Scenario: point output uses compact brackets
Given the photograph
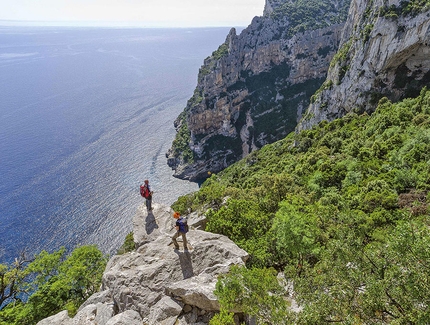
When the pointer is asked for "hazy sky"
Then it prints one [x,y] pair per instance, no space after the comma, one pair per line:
[172,13]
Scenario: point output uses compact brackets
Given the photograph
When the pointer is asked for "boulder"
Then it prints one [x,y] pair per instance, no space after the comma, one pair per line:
[99,297]
[61,318]
[196,291]
[165,311]
[90,314]
[128,317]
[94,314]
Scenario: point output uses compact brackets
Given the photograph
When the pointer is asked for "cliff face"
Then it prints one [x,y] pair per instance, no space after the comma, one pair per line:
[385,51]
[254,88]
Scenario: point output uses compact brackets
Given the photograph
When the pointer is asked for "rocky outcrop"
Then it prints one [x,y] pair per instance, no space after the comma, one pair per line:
[61,318]
[384,52]
[254,88]
[156,284]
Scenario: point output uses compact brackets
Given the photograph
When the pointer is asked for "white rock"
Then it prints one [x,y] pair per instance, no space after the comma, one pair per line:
[128,317]
[61,318]
[165,312]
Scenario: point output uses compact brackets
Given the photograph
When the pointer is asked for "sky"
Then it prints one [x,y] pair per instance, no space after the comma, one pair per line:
[145,13]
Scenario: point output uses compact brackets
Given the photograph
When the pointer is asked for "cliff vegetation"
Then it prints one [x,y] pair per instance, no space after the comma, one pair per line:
[411,8]
[341,209]
[303,15]
[33,289]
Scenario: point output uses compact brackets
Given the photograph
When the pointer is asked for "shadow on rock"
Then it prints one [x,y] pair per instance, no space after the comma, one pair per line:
[186,264]
[150,223]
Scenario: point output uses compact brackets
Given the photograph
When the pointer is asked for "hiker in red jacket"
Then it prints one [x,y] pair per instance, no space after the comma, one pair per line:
[145,191]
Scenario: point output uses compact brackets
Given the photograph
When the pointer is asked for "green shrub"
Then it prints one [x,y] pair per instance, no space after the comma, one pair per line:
[256,292]
[53,281]
[128,245]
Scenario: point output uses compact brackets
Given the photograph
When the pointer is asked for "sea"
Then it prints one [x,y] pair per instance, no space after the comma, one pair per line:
[86,114]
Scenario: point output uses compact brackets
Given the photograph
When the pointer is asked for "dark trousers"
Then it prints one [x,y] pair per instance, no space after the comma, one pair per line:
[148,203]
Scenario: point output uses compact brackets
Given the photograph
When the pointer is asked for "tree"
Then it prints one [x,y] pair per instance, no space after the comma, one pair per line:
[53,282]
[255,292]
[11,279]
[243,222]
[296,232]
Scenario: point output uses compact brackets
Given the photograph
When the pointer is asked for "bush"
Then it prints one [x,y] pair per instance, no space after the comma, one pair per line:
[256,292]
[128,245]
[54,283]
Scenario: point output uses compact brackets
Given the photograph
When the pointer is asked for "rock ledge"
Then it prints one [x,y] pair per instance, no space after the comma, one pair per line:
[156,284]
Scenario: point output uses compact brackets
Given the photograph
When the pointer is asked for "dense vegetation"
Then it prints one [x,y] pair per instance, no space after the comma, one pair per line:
[181,143]
[342,209]
[303,15]
[411,8]
[33,289]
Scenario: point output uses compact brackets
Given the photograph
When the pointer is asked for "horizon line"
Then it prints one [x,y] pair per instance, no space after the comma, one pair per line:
[106,24]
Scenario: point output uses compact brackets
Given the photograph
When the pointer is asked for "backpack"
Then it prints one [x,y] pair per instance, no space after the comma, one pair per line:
[144,191]
[183,225]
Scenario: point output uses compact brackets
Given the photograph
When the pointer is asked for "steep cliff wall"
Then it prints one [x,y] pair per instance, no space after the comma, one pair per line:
[253,89]
[385,51]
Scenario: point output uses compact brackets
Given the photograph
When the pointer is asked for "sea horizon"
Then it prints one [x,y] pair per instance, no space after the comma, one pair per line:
[106,24]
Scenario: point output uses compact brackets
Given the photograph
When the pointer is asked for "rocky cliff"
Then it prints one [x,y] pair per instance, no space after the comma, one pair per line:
[384,52]
[156,284]
[254,88]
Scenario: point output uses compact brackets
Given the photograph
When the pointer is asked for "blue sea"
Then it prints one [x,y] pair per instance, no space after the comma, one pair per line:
[86,114]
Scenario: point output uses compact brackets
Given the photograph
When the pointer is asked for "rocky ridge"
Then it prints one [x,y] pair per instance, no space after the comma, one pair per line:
[255,87]
[384,52]
[156,284]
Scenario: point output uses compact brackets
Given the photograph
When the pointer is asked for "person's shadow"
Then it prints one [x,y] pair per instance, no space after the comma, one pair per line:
[150,223]
[186,264]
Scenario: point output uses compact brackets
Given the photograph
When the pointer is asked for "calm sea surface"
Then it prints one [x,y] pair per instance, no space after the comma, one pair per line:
[86,114]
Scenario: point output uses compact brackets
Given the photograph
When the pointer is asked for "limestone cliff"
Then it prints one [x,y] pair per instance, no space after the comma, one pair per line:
[253,89]
[384,51]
